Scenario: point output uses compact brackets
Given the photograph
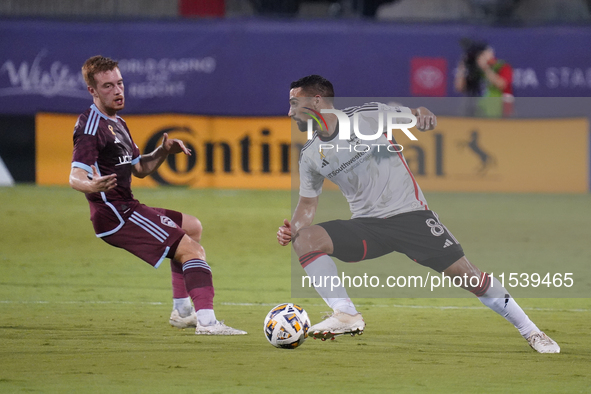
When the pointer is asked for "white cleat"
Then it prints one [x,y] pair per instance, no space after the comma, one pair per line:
[176,320]
[542,343]
[339,323]
[218,328]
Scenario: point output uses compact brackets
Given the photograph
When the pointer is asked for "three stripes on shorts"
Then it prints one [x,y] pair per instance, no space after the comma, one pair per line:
[161,235]
[149,226]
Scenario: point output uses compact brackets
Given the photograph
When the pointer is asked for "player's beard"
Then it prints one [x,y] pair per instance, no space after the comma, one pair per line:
[302,126]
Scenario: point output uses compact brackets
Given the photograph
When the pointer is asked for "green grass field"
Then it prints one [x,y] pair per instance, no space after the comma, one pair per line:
[79,316]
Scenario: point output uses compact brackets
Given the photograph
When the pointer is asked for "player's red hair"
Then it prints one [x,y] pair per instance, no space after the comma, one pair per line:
[95,65]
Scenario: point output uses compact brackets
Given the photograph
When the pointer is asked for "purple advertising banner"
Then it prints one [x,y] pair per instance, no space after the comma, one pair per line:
[244,67]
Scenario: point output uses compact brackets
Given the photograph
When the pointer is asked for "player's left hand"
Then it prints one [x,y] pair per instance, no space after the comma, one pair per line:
[426,120]
[174,146]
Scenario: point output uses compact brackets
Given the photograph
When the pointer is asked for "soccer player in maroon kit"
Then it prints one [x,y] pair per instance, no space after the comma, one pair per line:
[104,159]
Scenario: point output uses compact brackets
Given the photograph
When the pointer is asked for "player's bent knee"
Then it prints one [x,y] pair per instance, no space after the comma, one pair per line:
[462,266]
[192,226]
[309,239]
[464,269]
[189,249]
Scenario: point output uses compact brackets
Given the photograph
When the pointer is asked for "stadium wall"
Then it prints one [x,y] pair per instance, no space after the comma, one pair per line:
[462,154]
[17,149]
[244,67]
[221,69]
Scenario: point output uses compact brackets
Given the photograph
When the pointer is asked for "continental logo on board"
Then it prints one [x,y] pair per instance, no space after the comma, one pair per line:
[249,153]
[461,154]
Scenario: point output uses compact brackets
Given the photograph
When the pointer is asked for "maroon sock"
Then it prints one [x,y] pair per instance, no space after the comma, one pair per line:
[178,281]
[199,284]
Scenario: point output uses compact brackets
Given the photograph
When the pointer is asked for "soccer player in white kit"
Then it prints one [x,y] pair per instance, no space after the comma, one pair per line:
[389,212]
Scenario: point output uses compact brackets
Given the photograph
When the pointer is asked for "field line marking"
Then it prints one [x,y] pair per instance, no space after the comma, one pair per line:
[440,307]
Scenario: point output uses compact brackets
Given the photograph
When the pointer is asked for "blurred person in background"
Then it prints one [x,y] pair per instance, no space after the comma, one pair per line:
[480,74]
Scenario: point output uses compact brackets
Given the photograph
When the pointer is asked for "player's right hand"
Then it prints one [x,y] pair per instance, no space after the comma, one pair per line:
[102,183]
[426,120]
[284,233]
[174,146]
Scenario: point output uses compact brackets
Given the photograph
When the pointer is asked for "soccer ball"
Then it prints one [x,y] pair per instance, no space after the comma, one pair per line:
[286,326]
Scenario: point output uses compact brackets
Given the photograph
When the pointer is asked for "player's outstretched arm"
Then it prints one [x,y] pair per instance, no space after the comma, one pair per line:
[82,181]
[303,216]
[150,162]
[426,120]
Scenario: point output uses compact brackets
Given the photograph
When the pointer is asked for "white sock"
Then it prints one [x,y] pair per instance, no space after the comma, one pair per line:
[342,304]
[337,299]
[183,305]
[498,299]
[206,317]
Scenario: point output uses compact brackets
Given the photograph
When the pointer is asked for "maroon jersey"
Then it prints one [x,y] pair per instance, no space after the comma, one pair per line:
[106,144]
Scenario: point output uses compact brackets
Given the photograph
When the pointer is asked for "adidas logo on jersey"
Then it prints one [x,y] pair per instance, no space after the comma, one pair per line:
[447,243]
[323,157]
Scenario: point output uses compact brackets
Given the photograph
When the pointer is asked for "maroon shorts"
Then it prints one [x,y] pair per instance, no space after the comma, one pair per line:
[152,234]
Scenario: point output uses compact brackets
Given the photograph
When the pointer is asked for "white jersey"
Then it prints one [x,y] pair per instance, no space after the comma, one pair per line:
[372,174]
